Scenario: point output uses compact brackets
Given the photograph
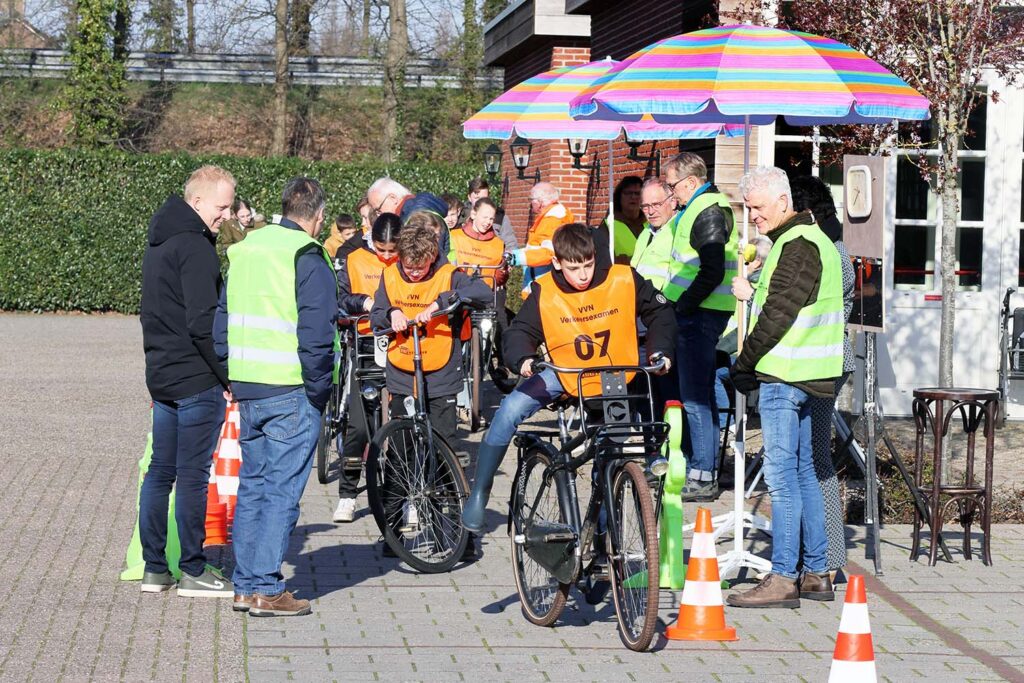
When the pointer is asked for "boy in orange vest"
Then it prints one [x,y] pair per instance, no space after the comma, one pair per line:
[410,291]
[585,315]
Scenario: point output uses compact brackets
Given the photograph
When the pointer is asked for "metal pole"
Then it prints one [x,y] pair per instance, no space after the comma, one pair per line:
[611,199]
[871,521]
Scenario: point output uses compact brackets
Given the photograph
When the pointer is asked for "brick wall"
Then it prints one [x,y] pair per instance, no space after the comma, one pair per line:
[618,29]
[542,57]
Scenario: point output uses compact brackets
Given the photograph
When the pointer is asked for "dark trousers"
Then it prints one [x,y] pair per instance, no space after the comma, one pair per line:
[443,417]
[184,436]
[353,442]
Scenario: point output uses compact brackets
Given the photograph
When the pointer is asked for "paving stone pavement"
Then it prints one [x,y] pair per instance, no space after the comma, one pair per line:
[74,424]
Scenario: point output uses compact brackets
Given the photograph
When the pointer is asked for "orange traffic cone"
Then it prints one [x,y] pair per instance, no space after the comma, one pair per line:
[229,461]
[701,613]
[216,514]
[854,658]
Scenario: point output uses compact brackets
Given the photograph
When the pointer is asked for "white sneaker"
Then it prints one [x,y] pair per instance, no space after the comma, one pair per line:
[346,510]
[412,519]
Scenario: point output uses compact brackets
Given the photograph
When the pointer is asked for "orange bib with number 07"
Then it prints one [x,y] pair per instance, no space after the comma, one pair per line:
[590,328]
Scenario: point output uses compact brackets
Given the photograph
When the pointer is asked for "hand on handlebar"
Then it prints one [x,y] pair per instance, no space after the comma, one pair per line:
[526,370]
[368,304]
[424,316]
[399,323]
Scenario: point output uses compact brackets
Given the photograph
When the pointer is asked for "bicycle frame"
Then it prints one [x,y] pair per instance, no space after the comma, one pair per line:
[605,446]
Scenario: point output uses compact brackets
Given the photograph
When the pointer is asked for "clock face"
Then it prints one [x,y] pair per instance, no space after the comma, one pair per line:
[858,192]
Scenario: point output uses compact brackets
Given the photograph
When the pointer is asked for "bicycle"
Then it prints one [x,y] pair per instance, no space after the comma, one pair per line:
[483,350]
[552,546]
[1011,351]
[415,485]
[360,363]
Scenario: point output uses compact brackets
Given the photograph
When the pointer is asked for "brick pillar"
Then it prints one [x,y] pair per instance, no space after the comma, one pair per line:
[553,160]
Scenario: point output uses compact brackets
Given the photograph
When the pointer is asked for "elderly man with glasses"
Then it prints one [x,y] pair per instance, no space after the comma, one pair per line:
[703,264]
[549,215]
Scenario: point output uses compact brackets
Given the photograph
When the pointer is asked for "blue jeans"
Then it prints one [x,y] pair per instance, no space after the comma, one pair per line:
[721,397]
[520,405]
[278,438]
[798,511]
[695,357]
[184,436]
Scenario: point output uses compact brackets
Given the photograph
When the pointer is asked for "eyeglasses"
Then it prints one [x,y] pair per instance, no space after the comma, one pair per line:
[388,196]
[673,185]
[535,199]
[647,208]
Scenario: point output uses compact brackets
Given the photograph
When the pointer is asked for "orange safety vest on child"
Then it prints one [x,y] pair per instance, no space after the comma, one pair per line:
[411,298]
[483,252]
[364,272]
[590,328]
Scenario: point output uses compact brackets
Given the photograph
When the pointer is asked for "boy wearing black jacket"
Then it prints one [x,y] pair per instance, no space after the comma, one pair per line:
[585,313]
[180,281]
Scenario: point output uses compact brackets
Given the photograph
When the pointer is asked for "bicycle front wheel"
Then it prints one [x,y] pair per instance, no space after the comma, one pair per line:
[476,381]
[633,557]
[416,490]
[535,500]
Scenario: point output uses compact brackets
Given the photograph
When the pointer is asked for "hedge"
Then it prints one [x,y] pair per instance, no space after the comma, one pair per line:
[73,223]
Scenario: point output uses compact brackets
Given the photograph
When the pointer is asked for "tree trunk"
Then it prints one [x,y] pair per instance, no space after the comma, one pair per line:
[394,77]
[190,26]
[472,46]
[950,212]
[365,36]
[279,140]
[122,20]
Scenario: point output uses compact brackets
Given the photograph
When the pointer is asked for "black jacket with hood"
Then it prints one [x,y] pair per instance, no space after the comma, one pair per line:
[180,283]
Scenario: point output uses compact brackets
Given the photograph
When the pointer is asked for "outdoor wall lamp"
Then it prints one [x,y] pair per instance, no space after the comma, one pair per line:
[634,147]
[492,161]
[578,149]
[521,148]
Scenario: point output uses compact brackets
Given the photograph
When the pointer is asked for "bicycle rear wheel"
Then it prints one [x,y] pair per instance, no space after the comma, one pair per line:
[534,499]
[325,442]
[417,498]
[633,557]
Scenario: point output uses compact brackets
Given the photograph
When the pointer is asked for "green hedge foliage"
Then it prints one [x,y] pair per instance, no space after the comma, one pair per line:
[73,223]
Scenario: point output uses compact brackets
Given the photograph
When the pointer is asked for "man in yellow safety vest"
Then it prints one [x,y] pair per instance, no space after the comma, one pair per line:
[279,318]
[702,268]
[795,353]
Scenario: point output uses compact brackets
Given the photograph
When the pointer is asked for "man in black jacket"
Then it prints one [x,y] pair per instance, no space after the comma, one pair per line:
[180,281]
[703,262]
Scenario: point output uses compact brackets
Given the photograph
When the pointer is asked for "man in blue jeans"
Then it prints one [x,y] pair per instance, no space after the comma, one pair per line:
[795,353]
[180,279]
[703,264]
[278,317]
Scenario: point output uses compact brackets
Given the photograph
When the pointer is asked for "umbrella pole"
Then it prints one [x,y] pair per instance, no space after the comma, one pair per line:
[611,199]
[738,519]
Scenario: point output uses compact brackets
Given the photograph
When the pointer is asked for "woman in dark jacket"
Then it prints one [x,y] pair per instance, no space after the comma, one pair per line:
[813,194]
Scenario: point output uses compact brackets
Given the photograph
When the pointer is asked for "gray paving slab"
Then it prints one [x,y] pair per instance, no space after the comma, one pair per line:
[74,424]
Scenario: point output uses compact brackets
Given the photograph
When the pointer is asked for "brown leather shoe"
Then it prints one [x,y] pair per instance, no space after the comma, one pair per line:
[242,603]
[280,605]
[817,587]
[773,591]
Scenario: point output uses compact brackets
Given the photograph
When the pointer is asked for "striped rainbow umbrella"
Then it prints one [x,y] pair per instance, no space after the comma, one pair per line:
[538,108]
[750,74]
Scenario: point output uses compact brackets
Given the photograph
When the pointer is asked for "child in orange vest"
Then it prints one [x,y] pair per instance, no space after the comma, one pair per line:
[359,273]
[585,314]
[410,291]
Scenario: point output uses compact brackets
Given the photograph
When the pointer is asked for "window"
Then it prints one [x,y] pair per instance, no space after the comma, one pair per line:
[796,153]
[918,212]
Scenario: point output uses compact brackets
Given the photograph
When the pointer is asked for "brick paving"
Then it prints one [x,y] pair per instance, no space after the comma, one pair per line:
[74,425]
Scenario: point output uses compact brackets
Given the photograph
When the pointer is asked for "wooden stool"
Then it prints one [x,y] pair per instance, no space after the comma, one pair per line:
[976,406]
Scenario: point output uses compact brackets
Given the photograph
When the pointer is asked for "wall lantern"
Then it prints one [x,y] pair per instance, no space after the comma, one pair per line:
[634,147]
[578,149]
[492,161]
[521,148]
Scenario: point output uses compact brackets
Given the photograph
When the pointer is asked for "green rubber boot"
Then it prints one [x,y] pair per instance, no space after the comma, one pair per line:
[488,459]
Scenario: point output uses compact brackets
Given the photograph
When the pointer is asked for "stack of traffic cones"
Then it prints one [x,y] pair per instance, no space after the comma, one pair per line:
[854,658]
[216,512]
[228,461]
[701,611]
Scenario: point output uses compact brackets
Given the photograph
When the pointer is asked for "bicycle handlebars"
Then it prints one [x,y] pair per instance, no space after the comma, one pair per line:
[447,310]
[659,363]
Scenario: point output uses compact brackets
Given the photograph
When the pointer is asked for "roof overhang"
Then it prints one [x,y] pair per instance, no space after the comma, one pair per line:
[526,24]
